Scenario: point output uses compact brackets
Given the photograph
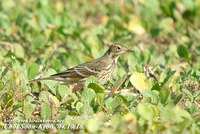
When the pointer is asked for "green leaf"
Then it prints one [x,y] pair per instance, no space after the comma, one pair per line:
[108,103]
[87,110]
[96,87]
[166,75]
[151,96]
[88,95]
[116,103]
[123,98]
[8,99]
[177,99]
[52,85]
[92,125]
[19,50]
[47,97]
[175,114]
[188,4]
[89,80]
[28,109]
[100,99]
[79,105]
[44,96]
[17,106]
[38,41]
[164,96]
[62,115]
[116,121]
[182,51]
[147,111]
[64,90]
[45,111]
[56,64]
[32,70]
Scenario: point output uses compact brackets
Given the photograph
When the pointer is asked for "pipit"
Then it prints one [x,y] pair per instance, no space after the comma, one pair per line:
[101,68]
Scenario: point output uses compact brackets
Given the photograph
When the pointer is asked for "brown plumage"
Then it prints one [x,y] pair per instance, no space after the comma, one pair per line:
[101,68]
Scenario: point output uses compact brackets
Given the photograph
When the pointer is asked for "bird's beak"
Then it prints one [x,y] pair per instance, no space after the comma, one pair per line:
[129,51]
[126,50]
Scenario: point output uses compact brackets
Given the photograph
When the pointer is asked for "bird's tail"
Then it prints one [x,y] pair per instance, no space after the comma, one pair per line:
[40,79]
[48,78]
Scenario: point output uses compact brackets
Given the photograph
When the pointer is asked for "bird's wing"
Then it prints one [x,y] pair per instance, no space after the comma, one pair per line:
[81,71]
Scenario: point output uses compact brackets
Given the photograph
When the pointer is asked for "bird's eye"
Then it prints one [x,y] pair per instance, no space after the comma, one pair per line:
[118,48]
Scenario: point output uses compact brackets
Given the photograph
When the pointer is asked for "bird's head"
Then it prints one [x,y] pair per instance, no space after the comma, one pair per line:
[115,50]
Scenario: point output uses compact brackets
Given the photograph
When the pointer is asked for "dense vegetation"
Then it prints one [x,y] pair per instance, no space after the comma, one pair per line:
[42,37]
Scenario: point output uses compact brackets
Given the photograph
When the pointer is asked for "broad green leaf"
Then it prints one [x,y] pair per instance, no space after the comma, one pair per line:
[96,87]
[165,76]
[62,115]
[45,111]
[32,70]
[87,110]
[89,80]
[188,4]
[177,99]
[175,114]
[88,95]
[108,103]
[64,90]
[28,109]
[116,103]
[123,98]
[17,106]
[92,125]
[182,51]
[93,41]
[79,105]
[8,99]
[116,121]
[147,111]
[44,96]
[48,98]
[151,96]
[19,51]
[100,99]
[31,98]
[56,64]
[52,85]
[38,41]
[164,96]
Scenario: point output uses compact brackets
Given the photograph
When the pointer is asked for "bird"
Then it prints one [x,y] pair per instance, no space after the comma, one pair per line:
[102,68]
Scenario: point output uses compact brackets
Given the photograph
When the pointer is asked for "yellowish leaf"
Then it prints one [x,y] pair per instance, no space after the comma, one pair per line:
[140,81]
[130,117]
[104,19]
[135,26]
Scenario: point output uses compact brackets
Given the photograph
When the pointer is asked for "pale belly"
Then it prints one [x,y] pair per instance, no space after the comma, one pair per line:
[105,75]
